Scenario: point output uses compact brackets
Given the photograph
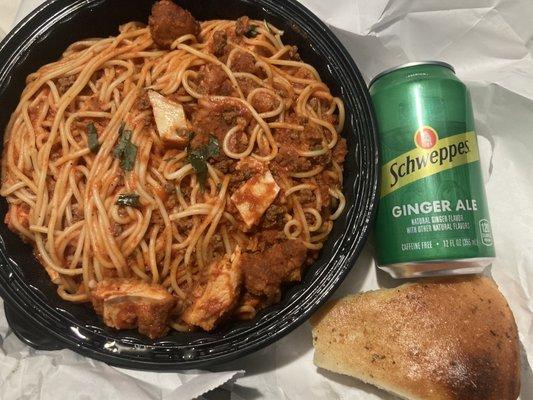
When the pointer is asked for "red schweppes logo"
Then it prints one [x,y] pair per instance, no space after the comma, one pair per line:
[429,156]
[426,137]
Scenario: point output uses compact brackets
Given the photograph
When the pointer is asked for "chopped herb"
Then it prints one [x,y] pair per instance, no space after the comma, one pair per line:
[198,158]
[212,148]
[124,137]
[125,150]
[92,138]
[251,32]
[128,160]
[129,200]
[200,167]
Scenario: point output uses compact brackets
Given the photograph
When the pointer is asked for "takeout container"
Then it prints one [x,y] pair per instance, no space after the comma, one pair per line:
[34,310]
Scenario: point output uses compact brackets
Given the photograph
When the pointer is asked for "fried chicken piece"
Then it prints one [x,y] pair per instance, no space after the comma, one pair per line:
[127,303]
[168,21]
[220,294]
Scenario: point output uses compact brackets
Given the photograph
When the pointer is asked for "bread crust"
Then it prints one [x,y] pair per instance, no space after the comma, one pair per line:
[446,339]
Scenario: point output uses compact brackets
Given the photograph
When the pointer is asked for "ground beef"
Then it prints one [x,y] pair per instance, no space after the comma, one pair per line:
[339,151]
[77,213]
[297,119]
[143,102]
[200,139]
[169,188]
[243,62]
[157,218]
[171,202]
[184,224]
[306,197]
[217,244]
[238,142]
[324,182]
[64,83]
[312,135]
[211,116]
[171,199]
[214,81]
[265,271]
[274,217]
[288,160]
[303,73]
[287,137]
[56,151]
[251,164]
[238,178]
[324,159]
[223,164]
[230,116]
[264,102]
[247,85]
[169,21]
[290,137]
[115,229]
[218,45]
[242,25]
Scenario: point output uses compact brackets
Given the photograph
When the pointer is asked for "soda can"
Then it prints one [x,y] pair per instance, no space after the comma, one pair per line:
[432,216]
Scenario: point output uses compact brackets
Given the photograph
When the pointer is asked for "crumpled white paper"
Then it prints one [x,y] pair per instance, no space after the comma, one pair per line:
[490,44]
[50,375]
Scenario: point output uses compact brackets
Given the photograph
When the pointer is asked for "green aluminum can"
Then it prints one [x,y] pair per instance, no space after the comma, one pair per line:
[432,217]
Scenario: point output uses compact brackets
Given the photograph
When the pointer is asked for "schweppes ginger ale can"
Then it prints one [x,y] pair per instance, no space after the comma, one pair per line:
[432,216]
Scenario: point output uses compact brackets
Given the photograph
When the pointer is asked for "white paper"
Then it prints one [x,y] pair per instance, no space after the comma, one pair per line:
[489,43]
[50,375]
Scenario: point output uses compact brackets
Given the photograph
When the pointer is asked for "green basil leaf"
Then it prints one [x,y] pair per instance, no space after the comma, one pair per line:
[128,157]
[251,32]
[125,150]
[198,159]
[124,139]
[200,167]
[212,148]
[92,138]
[128,199]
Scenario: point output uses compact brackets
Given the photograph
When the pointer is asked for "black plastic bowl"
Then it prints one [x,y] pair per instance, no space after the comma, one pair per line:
[43,320]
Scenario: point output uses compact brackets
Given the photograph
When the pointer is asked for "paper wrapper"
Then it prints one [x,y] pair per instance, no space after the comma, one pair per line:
[489,43]
[50,375]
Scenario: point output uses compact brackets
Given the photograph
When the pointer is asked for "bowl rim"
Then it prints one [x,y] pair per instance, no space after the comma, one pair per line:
[20,39]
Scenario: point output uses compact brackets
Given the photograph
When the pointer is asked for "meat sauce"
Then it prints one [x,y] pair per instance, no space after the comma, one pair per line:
[255,273]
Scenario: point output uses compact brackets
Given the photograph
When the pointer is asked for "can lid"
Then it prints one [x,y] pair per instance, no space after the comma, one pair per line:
[411,64]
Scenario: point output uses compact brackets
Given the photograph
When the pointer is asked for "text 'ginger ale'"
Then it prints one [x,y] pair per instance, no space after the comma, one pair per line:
[432,217]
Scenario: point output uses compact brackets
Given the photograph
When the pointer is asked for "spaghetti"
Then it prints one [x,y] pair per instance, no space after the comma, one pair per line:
[105,198]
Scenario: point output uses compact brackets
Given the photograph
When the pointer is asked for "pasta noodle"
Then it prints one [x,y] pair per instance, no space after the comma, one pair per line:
[98,205]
